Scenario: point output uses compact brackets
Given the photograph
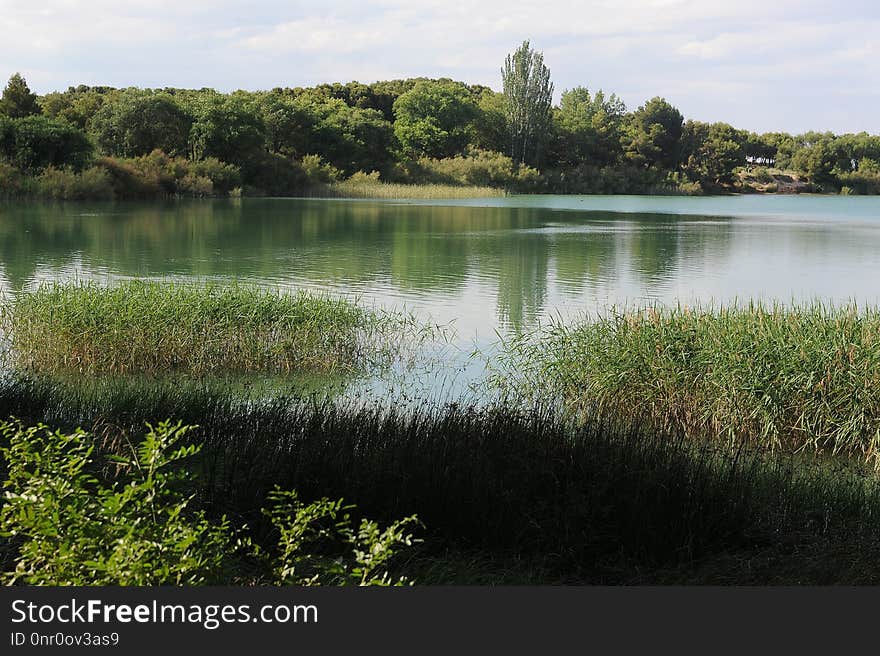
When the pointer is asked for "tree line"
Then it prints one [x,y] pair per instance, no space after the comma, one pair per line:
[103,141]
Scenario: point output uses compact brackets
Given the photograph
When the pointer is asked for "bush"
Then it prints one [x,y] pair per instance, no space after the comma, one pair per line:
[67,526]
[861,182]
[63,184]
[158,175]
[13,183]
[73,530]
[481,168]
[304,528]
[319,172]
[274,175]
[224,177]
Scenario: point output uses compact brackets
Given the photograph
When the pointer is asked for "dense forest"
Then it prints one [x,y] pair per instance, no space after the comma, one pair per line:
[103,142]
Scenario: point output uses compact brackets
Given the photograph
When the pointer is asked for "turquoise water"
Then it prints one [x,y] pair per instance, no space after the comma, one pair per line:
[483,266]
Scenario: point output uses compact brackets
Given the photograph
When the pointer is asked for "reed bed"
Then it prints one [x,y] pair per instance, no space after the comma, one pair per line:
[801,377]
[168,327]
[393,191]
[601,501]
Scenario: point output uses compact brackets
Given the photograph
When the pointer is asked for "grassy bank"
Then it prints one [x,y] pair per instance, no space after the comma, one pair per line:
[370,188]
[803,377]
[505,494]
[166,327]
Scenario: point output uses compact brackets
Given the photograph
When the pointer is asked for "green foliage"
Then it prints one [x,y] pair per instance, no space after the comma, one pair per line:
[607,500]
[817,161]
[319,172]
[349,138]
[489,128]
[433,118]
[17,100]
[158,327]
[159,176]
[652,134]
[797,376]
[137,123]
[73,518]
[14,184]
[72,529]
[228,128]
[710,153]
[587,129]
[36,142]
[476,168]
[63,184]
[528,94]
[264,143]
[319,543]
[78,105]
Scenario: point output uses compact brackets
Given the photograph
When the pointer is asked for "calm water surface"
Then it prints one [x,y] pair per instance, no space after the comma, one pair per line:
[486,265]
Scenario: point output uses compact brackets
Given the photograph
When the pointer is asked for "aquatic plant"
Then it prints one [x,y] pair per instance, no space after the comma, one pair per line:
[794,376]
[166,327]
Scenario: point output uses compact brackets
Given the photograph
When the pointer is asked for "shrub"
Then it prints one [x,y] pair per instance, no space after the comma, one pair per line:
[477,168]
[312,537]
[158,175]
[274,175]
[68,525]
[319,172]
[63,184]
[224,177]
[73,530]
[13,183]
[864,181]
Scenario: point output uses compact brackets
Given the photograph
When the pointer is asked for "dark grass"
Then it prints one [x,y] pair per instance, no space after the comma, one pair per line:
[512,495]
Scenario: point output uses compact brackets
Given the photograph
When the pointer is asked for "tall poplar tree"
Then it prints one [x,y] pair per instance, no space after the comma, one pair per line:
[528,94]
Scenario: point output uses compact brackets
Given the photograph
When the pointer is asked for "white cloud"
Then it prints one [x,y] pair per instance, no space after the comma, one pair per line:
[711,58]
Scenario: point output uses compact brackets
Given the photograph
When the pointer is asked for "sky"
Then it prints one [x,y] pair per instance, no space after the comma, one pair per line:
[758,64]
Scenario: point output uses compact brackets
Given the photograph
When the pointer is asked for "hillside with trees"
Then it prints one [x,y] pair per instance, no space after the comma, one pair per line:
[103,142]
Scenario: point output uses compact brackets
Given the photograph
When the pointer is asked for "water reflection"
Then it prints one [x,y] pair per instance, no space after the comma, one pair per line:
[490,266]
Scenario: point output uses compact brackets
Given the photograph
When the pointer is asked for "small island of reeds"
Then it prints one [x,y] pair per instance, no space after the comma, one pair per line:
[164,327]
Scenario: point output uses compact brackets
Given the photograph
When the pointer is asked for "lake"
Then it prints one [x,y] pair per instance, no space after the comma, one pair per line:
[486,266]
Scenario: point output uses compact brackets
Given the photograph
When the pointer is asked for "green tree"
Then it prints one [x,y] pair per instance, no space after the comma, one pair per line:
[490,125]
[528,92]
[139,123]
[587,128]
[77,105]
[348,138]
[653,134]
[710,152]
[433,118]
[288,121]
[228,128]
[817,160]
[17,100]
[35,143]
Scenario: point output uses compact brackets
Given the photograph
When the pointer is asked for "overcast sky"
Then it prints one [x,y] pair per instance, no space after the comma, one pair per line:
[759,64]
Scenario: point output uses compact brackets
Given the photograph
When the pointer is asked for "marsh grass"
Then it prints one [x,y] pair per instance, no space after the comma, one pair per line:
[602,501]
[169,327]
[388,190]
[799,377]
